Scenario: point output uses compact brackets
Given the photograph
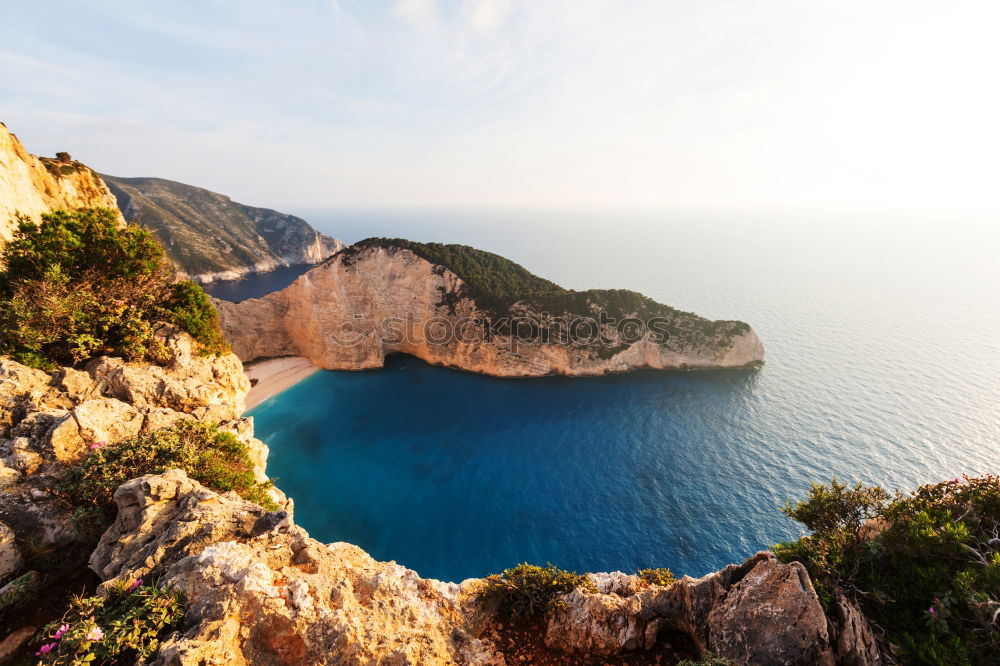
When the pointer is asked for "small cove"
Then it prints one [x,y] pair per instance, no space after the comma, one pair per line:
[883,366]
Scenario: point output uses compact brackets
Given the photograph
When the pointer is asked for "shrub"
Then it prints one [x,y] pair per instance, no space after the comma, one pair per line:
[661,576]
[837,507]
[78,285]
[528,591]
[925,567]
[708,659]
[124,627]
[212,457]
[79,242]
[191,309]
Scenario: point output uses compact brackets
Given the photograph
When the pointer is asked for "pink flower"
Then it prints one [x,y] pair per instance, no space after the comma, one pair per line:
[95,634]
[48,647]
[135,585]
[98,445]
[931,610]
[160,338]
[62,630]
[956,480]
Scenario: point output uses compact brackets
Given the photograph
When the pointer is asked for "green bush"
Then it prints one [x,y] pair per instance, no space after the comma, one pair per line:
[79,285]
[191,309]
[708,659]
[528,591]
[925,567]
[212,457]
[660,576]
[124,627]
[80,242]
[496,283]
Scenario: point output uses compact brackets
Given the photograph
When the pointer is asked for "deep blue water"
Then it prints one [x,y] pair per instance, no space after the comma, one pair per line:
[883,366]
[256,284]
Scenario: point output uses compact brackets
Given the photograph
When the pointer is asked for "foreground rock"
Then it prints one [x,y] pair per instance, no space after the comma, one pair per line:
[50,421]
[261,591]
[368,302]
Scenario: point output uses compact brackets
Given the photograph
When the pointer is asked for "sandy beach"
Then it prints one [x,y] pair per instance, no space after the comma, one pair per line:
[274,375]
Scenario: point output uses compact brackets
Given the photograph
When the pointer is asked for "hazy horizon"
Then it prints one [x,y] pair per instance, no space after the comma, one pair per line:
[880,105]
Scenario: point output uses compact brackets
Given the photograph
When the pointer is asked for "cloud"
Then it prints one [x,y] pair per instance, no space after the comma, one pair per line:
[423,15]
[485,15]
[497,102]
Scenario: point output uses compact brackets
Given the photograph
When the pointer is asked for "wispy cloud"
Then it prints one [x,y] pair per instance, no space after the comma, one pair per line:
[693,102]
[424,15]
[485,15]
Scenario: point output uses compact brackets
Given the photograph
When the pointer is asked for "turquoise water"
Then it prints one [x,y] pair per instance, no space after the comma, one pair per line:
[883,365]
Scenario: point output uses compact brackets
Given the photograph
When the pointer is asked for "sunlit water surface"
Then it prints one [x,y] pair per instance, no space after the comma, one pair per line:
[883,366]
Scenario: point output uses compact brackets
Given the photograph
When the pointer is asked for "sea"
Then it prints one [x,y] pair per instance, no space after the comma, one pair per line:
[882,337]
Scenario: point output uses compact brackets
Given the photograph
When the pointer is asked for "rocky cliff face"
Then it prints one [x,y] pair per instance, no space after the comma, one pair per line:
[260,591]
[31,185]
[359,306]
[211,237]
[50,421]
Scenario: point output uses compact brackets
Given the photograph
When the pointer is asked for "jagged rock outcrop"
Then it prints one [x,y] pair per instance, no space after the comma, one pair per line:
[368,302]
[211,237]
[259,590]
[49,421]
[188,382]
[31,185]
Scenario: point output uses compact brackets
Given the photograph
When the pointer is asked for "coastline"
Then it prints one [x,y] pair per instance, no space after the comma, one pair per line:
[274,375]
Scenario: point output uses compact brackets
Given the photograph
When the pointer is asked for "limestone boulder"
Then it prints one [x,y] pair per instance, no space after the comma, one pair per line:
[14,641]
[18,385]
[759,612]
[32,511]
[188,382]
[855,643]
[771,616]
[93,423]
[76,384]
[10,556]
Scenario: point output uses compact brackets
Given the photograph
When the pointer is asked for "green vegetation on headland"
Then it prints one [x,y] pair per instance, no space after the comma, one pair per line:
[494,282]
[497,285]
[924,567]
[78,285]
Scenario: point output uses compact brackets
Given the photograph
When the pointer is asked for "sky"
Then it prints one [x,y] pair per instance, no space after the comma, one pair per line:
[878,105]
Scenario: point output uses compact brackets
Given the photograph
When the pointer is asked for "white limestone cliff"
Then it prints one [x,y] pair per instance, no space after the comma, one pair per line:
[353,310]
[31,186]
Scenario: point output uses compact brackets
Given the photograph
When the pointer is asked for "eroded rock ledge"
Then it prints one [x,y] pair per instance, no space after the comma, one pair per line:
[362,304]
[261,591]
[48,422]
